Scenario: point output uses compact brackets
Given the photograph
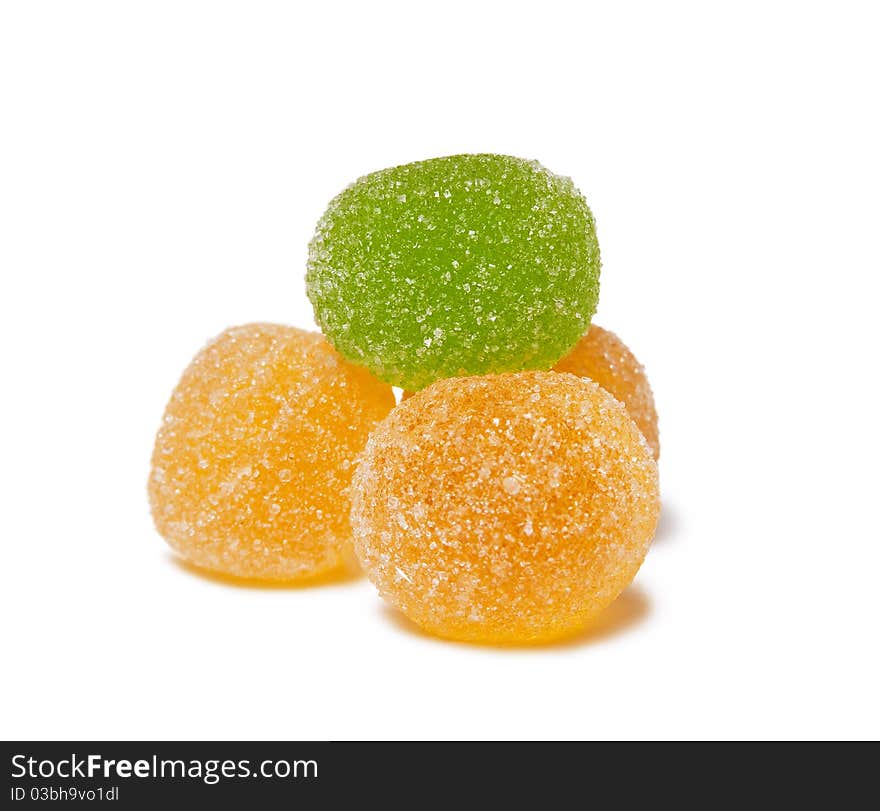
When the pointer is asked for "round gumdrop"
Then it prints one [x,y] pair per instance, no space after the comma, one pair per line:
[603,357]
[461,265]
[507,508]
[255,454]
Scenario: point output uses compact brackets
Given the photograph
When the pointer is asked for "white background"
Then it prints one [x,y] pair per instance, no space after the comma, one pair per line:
[162,166]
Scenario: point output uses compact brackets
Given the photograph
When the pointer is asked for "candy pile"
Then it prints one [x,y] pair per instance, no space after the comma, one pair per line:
[499,503]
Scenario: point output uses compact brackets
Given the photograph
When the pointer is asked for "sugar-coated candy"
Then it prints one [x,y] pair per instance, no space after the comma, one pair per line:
[507,508]
[603,357]
[253,460]
[467,264]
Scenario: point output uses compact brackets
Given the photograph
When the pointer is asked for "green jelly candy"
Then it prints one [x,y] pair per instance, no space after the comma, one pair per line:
[462,265]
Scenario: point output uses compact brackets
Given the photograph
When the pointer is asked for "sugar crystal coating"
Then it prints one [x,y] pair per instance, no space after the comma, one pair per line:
[253,460]
[603,357]
[507,508]
[460,265]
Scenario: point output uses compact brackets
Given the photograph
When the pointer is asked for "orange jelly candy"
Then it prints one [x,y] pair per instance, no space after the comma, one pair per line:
[601,356]
[253,460]
[507,508]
